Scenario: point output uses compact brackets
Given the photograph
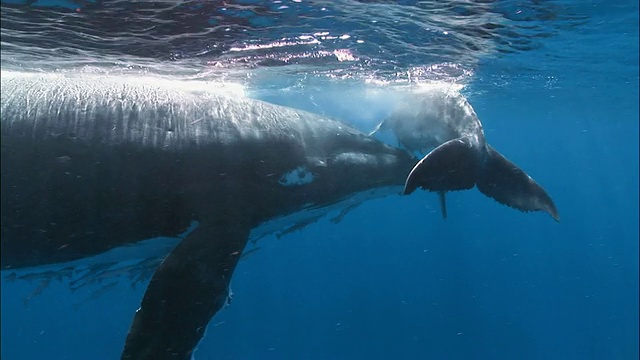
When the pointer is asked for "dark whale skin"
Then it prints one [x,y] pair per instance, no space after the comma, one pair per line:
[90,163]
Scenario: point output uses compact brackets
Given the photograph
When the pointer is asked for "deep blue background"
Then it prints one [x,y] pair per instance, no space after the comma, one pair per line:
[393,280]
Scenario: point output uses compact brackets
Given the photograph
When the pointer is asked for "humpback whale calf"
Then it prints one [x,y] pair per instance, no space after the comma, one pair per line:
[443,122]
[90,163]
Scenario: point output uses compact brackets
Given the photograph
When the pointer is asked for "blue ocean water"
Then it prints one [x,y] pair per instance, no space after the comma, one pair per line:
[556,86]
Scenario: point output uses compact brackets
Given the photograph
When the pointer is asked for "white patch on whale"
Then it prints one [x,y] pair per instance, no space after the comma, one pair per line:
[296,177]
[357,158]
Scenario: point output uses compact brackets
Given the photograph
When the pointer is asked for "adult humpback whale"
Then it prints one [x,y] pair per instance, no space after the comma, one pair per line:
[90,163]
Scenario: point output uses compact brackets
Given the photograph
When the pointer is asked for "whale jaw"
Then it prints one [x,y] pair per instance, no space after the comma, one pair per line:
[460,164]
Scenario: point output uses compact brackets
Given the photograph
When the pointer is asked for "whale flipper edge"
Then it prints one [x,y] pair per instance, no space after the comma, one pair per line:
[186,291]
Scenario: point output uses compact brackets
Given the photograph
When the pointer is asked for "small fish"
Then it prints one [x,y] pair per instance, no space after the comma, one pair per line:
[298,226]
[95,294]
[249,252]
[93,273]
[41,286]
[37,276]
[344,212]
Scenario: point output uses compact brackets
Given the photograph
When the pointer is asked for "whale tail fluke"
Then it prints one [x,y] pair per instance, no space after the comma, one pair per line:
[505,182]
[458,165]
[451,166]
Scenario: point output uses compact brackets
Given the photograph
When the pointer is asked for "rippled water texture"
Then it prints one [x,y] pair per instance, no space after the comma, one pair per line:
[382,40]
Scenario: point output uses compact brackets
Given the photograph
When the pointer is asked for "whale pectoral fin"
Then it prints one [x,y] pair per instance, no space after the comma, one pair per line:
[450,166]
[505,182]
[187,289]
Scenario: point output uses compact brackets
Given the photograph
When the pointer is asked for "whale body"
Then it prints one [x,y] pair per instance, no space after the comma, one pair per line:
[442,123]
[90,163]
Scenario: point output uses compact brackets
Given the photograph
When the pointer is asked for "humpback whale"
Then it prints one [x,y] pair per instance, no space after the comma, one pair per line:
[91,162]
[443,123]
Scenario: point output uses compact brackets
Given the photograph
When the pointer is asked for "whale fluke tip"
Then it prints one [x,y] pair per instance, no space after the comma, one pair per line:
[505,182]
